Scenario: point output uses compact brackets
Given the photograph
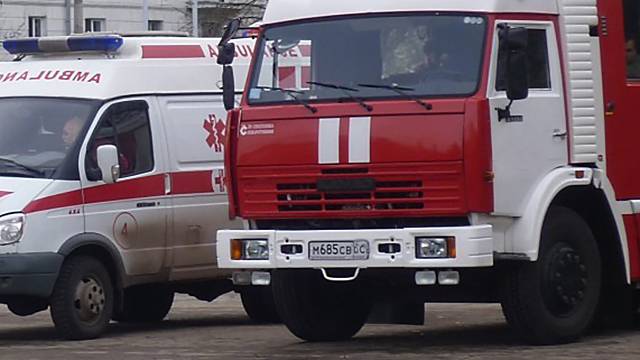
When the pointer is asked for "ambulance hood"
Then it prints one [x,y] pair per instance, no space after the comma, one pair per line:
[16,193]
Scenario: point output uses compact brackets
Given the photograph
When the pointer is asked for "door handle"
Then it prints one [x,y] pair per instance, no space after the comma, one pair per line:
[610,108]
[561,134]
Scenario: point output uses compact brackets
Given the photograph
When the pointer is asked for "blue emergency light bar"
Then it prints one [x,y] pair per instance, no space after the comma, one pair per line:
[101,43]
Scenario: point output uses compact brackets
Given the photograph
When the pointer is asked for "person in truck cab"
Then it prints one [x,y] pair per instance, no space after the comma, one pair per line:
[633,61]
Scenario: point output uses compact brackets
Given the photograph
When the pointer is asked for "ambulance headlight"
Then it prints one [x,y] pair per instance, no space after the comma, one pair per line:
[11,228]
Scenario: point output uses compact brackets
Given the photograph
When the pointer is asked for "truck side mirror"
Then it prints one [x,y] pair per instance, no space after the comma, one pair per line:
[228,88]
[107,156]
[514,42]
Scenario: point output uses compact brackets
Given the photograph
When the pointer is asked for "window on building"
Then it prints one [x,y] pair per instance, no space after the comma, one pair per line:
[632,38]
[95,25]
[538,62]
[125,125]
[37,26]
[155,25]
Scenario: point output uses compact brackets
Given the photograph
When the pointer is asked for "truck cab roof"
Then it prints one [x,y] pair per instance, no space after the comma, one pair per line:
[289,10]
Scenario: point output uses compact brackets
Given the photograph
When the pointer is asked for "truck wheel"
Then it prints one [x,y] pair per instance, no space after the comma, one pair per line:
[259,305]
[144,304]
[554,299]
[314,309]
[82,300]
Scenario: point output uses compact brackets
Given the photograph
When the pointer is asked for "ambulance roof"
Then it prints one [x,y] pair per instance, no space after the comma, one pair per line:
[142,65]
[285,10]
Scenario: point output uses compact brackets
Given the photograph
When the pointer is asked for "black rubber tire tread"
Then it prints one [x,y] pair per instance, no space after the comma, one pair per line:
[522,301]
[62,312]
[259,305]
[145,304]
[314,309]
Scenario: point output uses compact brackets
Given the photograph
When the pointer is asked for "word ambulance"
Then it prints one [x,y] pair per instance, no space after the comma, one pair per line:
[439,151]
[111,178]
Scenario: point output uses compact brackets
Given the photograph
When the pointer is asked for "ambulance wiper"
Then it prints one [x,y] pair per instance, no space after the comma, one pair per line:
[15,164]
[346,90]
[399,90]
[293,94]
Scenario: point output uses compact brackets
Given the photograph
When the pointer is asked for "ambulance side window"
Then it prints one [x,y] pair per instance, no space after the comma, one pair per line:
[125,125]
[538,62]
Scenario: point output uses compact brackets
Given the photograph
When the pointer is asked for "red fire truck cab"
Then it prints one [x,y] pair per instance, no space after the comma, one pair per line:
[439,151]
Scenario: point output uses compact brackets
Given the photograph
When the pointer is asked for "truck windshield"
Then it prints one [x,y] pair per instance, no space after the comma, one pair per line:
[427,55]
[37,135]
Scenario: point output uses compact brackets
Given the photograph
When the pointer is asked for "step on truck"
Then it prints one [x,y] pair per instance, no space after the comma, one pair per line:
[440,151]
[111,177]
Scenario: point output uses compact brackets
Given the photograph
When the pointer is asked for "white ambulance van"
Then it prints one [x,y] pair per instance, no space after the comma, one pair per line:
[112,177]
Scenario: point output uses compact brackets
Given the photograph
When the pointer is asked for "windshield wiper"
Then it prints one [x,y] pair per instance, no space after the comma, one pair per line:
[346,90]
[293,94]
[399,90]
[16,164]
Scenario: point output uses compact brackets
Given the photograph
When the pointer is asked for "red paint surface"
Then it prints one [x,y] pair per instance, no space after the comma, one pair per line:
[172,51]
[4,193]
[192,182]
[343,141]
[622,125]
[73,198]
[478,164]
[631,226]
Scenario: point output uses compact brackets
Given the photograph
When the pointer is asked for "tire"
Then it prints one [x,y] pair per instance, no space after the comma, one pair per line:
[554,300]
[145,304]
[317,310]
[259,305]
[82,299]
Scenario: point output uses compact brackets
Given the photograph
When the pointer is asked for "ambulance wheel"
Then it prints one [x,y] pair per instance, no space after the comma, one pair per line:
[259,305]
[82,300]
[554,299]
[145,304]
[314,309]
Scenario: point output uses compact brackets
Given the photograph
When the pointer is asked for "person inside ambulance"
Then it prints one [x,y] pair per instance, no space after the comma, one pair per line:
[71,130]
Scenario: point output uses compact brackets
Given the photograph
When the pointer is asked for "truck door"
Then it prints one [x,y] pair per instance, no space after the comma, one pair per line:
[196,127]
[619,38]
[533,142]
[133,211]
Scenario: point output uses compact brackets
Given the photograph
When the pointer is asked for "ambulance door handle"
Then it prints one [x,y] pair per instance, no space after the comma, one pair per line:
[167,184]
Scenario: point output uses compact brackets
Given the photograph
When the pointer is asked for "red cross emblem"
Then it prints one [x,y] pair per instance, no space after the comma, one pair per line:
[216,130]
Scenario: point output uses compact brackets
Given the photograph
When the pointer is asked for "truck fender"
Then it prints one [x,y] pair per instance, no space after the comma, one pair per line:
[523,237]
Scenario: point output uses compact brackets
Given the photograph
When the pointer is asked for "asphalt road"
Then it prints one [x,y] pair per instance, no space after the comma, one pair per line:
[220,330]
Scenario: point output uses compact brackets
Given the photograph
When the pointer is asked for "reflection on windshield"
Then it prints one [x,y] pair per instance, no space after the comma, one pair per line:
[37,134]
[431,55]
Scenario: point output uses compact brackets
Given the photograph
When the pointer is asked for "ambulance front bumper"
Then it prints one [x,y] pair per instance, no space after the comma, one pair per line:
[32,274]
[386,248]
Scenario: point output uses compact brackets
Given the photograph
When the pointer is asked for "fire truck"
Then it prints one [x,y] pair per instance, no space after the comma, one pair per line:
[439,151]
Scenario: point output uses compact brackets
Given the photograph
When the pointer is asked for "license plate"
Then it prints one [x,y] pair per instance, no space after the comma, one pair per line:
[339,250]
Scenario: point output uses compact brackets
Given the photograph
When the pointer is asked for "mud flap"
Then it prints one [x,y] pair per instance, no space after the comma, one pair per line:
[401,313]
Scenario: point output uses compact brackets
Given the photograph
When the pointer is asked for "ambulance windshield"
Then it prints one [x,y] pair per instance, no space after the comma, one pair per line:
[431,55]
[40,134]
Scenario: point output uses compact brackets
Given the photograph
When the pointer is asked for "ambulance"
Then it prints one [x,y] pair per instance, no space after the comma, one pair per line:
[111,176]
[440,151]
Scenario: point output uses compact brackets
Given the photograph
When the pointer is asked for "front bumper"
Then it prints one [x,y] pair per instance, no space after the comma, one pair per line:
[32,274]
[474,248]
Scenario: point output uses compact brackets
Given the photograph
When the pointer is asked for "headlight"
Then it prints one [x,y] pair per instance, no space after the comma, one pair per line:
[11,228]
[249,249]
[435,247]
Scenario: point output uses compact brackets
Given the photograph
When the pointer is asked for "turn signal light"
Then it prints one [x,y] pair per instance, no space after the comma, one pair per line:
[236,249]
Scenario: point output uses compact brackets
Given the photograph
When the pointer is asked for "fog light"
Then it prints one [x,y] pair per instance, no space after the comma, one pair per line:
[425,277]
[249,249]
[260,278]
[241,278]
[448,277]
[431,248]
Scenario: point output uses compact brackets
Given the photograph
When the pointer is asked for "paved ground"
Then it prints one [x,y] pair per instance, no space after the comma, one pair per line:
[197,330]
